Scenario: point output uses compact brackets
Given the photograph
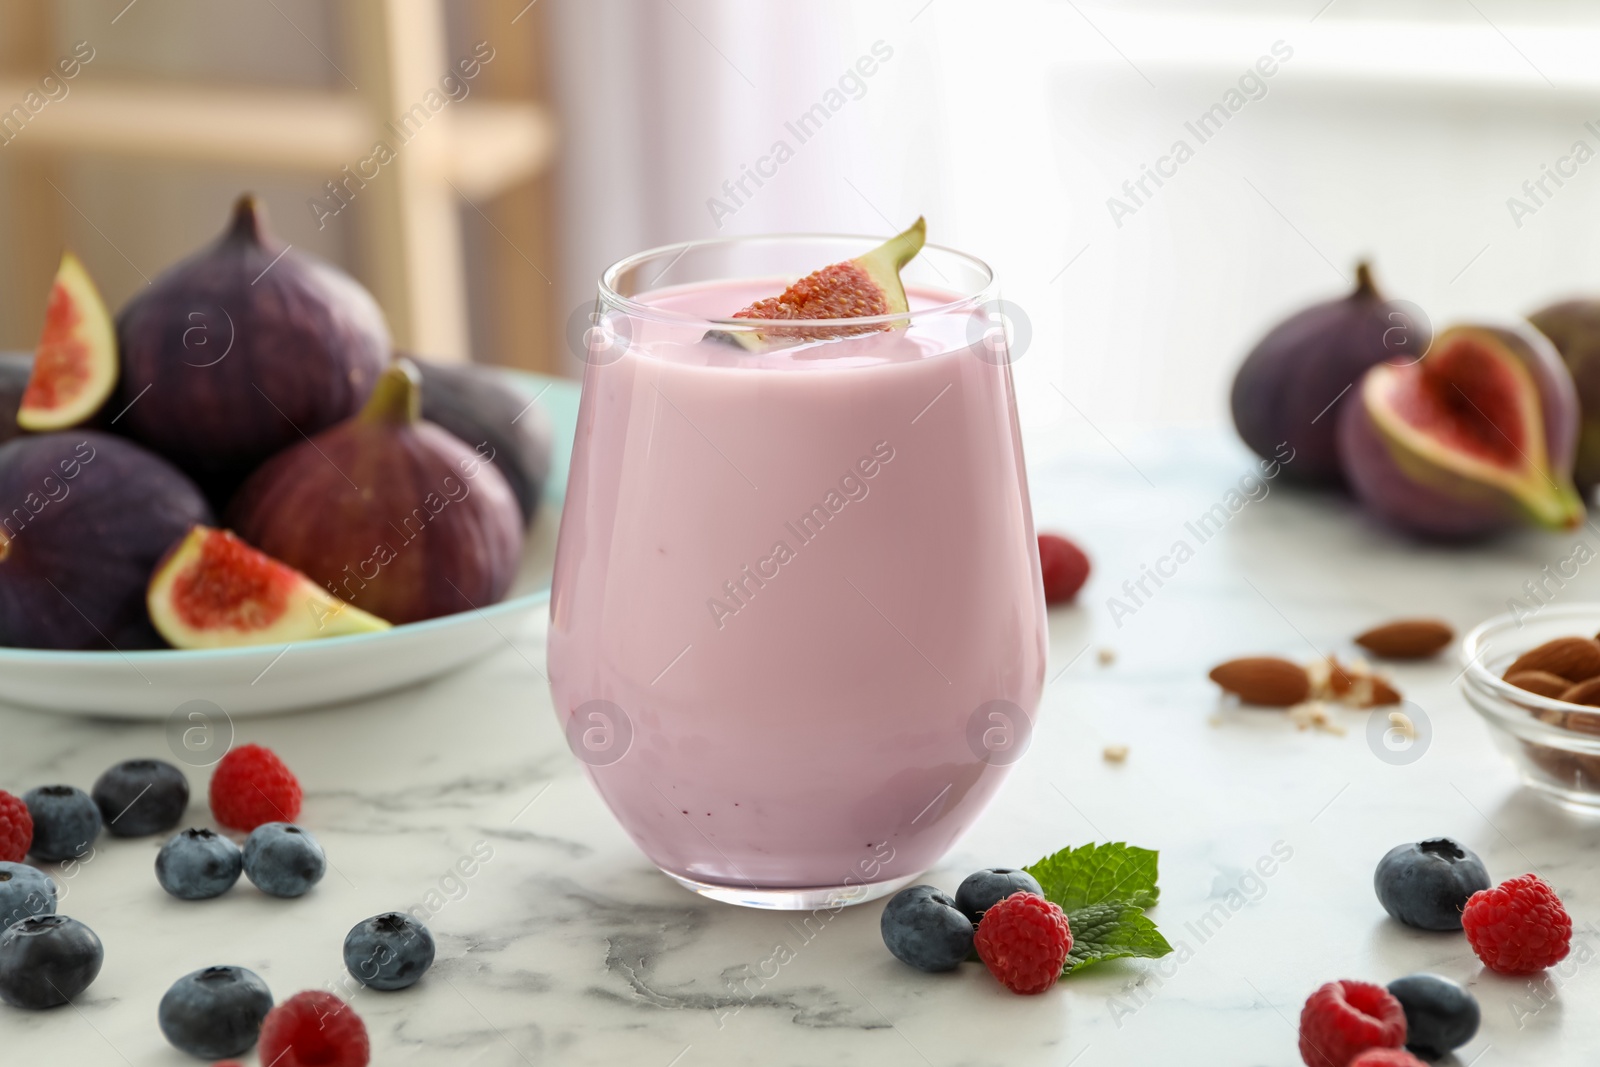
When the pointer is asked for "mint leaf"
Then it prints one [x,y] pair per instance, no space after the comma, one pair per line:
[1112,930]
[1104,890]
[1078,877]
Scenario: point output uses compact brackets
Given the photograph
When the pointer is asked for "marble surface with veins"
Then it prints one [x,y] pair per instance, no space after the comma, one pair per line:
[565,947]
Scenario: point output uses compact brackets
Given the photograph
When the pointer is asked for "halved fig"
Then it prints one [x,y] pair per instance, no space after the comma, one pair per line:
[75,365]
[214,591]
[866,286]
[1477,434]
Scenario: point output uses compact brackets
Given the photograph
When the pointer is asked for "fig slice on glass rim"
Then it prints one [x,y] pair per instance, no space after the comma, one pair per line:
[864,287]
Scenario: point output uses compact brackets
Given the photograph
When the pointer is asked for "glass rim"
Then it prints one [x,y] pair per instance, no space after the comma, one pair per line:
[609,295]
[1475,673]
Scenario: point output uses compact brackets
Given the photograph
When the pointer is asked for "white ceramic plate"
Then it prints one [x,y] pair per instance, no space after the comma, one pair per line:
[242,682]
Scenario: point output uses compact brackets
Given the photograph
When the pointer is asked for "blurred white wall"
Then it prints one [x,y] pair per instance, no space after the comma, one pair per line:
[1394,130]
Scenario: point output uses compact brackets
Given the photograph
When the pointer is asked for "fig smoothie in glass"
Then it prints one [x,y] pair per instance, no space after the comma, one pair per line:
[797,628]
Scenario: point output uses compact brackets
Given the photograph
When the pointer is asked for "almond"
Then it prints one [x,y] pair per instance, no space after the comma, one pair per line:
[1407,638]
[1585,692]
[1542,682]
[1267,680]
[1573,658]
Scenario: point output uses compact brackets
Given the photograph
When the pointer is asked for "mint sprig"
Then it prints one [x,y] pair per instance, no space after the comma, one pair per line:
[1104,890]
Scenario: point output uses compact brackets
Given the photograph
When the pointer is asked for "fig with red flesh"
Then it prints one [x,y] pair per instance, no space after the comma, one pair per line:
[484,410]
[388,511]
[214,591]
[1573,326]
[84,516]
[1289,389]
[1474,437]
[75,364]
[868,285]
[242,350]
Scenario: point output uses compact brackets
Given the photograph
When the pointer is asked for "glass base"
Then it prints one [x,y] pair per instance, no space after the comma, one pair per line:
[810,898]
[1579,800]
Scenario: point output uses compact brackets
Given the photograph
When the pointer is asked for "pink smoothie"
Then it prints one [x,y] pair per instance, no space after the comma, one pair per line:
[803,576]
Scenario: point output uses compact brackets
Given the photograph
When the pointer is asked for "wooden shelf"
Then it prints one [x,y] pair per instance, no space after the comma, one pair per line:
[480,147]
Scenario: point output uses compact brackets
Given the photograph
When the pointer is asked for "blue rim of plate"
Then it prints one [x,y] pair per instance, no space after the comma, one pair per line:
[559,397]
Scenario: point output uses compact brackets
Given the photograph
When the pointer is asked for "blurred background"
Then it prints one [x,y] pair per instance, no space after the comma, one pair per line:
[1026,131]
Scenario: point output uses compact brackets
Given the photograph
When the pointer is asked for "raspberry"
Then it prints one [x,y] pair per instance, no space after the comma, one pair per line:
[1343,1019]
[1386,1057]
[1518,927]
[1064,566]
[314,1028]
[251,786]
[16,828]
[1024,941]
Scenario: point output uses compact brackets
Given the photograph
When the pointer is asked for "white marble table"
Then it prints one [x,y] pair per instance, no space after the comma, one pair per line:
[566,947]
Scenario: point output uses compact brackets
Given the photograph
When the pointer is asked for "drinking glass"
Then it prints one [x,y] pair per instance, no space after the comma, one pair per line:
[797,630]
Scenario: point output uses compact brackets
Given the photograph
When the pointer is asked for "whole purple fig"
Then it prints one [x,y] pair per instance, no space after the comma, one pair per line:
[1573,326]
[483,409]
[242,350]
[1292,384]
[388,511]
[84,517]
[1473,438]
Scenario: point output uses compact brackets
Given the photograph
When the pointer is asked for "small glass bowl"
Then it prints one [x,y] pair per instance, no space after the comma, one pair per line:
[1555,745]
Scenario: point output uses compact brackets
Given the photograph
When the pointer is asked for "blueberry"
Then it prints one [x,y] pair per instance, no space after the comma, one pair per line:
[1427,884]
[215,1012]
[139,797]
[984,889]
[65,822]
[198,865]
[1440,1015]
[24,892]
[283,860]
[47,960]
[389,951]
[923,927]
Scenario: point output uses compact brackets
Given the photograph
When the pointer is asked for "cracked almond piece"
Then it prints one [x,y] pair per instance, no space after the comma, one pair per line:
[1379,693]
[1268,681]
[1407,639]
[1573,658]
[1314,714]
[1541,682]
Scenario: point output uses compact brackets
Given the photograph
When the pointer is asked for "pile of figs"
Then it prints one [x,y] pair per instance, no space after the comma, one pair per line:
[1447,435]
[240,457]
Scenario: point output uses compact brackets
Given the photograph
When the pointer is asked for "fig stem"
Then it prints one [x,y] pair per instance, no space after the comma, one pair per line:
[1365,286]
[249,220]
[397,397]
